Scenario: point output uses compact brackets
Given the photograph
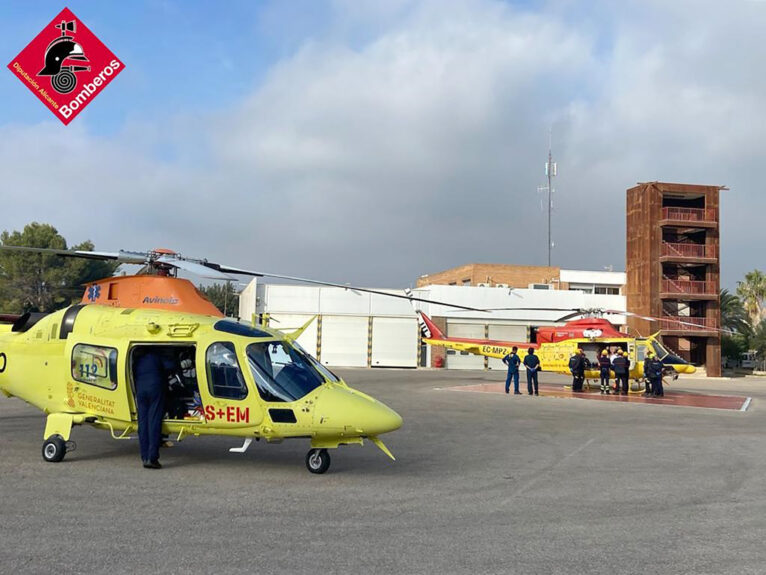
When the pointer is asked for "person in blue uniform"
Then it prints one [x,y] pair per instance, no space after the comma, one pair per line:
[577,367]
[151,383]
[604,366]
[647,374]
[532,363]
[621,367]
[653,371]
[512,361]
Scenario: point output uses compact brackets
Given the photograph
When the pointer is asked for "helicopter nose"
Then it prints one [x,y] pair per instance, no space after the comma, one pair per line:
[379,418]
[355,412]
[685,369]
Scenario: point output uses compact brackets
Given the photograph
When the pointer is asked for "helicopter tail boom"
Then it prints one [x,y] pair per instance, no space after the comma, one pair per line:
[428,329]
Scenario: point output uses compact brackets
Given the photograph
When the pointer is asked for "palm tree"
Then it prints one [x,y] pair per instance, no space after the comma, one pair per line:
[733,315]
[758,340]
[752,292]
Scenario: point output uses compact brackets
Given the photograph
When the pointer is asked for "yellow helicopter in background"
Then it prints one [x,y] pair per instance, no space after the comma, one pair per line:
[231,378]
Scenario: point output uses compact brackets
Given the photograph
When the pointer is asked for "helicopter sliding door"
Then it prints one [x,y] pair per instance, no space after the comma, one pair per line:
[182,398]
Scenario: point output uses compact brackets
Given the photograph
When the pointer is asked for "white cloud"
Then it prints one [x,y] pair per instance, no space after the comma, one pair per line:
[420,147]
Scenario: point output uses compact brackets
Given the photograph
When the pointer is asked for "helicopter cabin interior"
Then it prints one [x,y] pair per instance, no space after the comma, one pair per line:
[592,350]
[182,398]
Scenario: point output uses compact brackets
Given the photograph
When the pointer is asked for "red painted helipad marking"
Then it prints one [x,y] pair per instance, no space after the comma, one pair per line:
[683,399]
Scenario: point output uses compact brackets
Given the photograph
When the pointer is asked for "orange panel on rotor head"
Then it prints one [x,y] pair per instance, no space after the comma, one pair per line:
[149,292]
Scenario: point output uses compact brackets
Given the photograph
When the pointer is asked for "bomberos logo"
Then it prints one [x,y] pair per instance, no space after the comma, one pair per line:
[66,66]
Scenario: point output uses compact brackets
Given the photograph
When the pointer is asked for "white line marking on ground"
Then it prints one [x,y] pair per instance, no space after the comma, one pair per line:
[746,404]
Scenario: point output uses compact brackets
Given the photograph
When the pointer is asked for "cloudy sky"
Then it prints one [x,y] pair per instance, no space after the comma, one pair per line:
[374,141]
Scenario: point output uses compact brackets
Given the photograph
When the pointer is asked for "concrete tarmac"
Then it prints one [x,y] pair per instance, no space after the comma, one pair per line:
[483,483]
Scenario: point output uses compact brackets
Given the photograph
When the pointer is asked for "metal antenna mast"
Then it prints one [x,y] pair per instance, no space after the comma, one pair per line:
[550,171]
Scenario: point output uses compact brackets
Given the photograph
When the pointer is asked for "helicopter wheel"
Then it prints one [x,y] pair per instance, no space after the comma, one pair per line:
[317,460]
[54,449]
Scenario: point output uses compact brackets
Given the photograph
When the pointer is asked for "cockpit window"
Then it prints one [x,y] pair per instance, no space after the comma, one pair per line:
[659,349]
[666,356]
[229,326]
[223,374]
[282,372]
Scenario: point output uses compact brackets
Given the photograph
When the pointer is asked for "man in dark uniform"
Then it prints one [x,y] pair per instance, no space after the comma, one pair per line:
[621,367]
[151,382]
[604,366]
[647,374]
[577,367]
[655,376]
[512,361]
[532,363]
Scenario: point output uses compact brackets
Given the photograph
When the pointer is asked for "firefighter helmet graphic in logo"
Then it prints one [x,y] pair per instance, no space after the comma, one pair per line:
[64,49]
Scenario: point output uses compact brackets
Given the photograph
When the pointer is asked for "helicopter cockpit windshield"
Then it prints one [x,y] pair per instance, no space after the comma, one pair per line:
[282,372]
[659,349]
[664,354]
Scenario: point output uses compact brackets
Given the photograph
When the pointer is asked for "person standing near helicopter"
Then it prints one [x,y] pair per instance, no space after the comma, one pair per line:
[512,361]
[621,367]
[653,375]
[577,367]
[604,366]
[532,363]
[151,382]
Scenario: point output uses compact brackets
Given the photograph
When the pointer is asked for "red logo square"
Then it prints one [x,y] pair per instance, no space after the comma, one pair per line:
[66,66]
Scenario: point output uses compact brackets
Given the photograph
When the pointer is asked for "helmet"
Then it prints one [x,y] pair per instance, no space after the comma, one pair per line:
[579,350]
[604,352]
[620,352]
[62,48]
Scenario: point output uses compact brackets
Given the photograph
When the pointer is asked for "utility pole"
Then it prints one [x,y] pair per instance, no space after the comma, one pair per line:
[550,171]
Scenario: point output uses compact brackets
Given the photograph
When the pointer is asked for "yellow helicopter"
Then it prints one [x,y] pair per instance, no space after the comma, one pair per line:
[231,378]
[554,345]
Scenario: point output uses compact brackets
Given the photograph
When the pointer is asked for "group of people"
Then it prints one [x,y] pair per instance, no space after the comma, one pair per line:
[610,360]
[532,365]
[616,360]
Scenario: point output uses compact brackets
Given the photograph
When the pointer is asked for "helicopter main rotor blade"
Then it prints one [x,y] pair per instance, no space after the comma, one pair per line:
[238,271]
[629,314]
[195,268]
[121,256]
[570,315]
[668,319]
[569,309]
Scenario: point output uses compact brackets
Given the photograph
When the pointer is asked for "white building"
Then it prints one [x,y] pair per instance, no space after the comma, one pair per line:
[359,329]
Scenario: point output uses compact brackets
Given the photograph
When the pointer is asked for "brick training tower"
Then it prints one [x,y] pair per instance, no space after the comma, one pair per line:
[673,269]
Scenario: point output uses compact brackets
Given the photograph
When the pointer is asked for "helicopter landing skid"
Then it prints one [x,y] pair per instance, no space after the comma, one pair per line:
[244,447]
